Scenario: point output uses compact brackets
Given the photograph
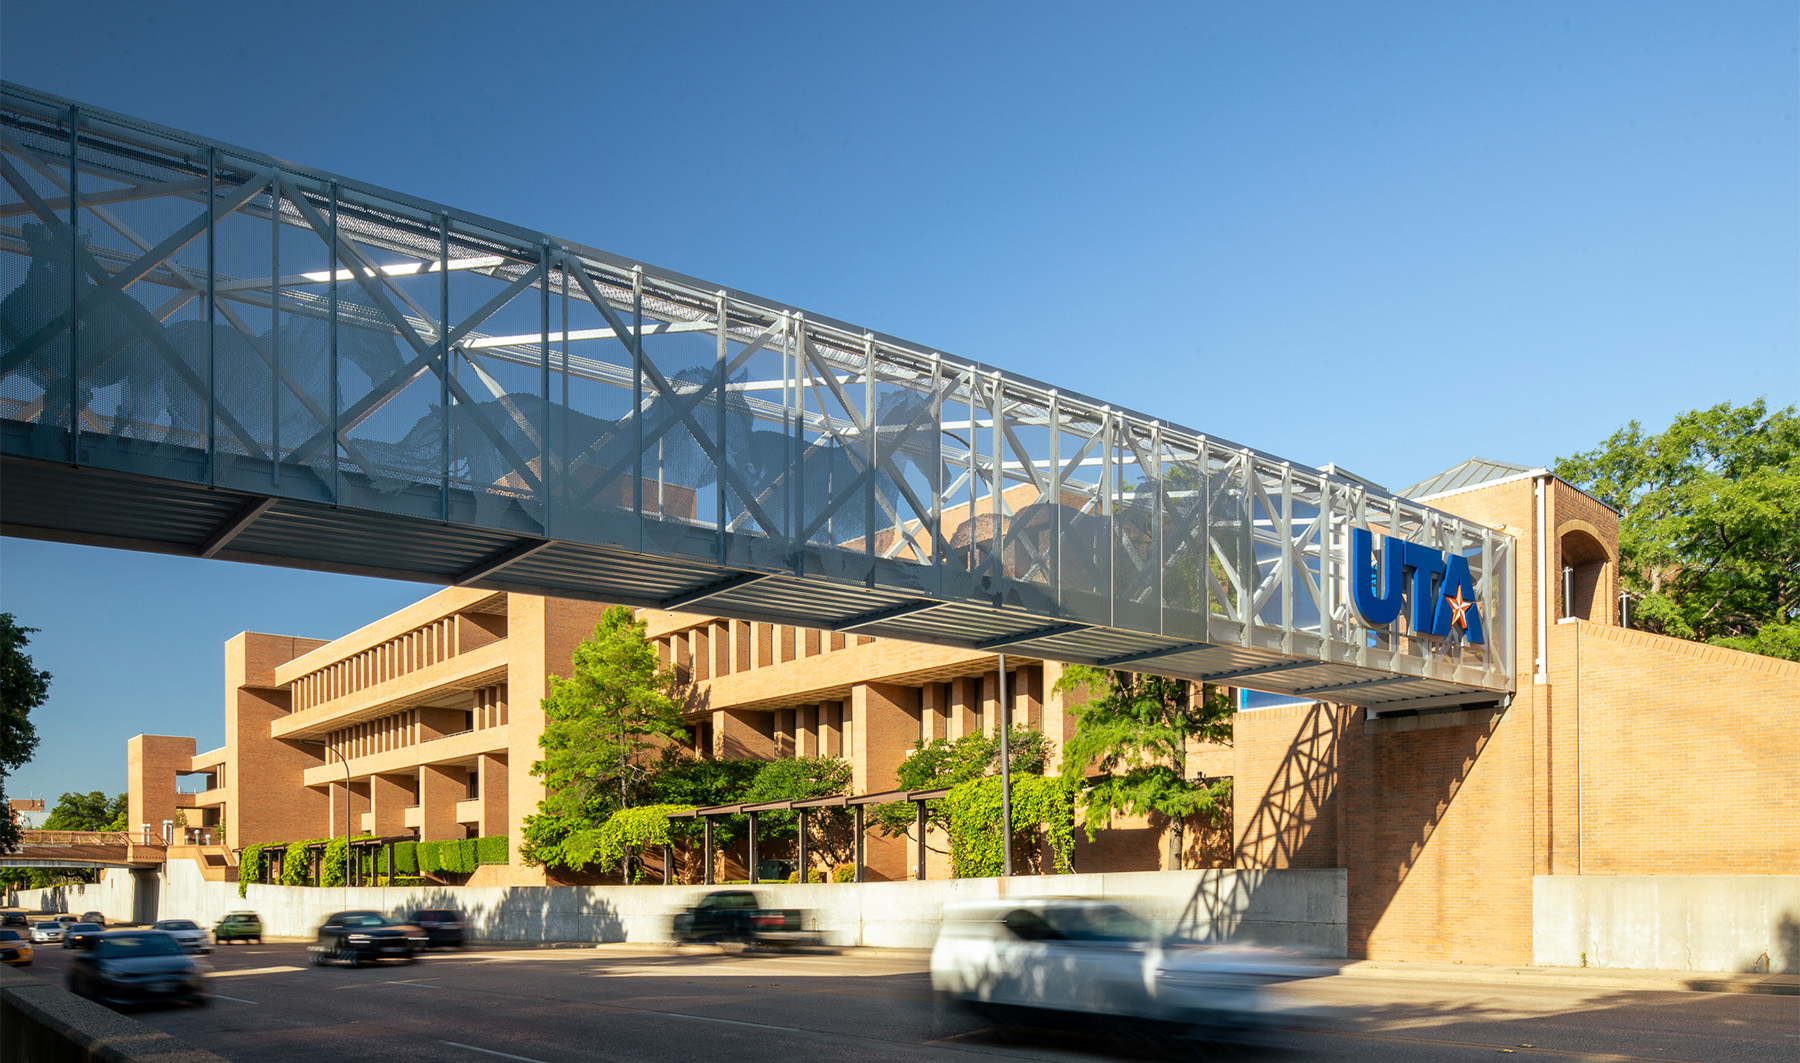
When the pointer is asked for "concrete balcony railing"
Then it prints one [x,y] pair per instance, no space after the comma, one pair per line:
[468,811]
[477,668]
[415,817]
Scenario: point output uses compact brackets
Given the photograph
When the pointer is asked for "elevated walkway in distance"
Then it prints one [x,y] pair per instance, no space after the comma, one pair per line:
[85,849]
[209,351]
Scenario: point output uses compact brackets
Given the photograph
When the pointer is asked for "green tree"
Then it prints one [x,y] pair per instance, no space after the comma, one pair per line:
[90,811]
[1709,541]
[601,726]
[681,778]
[23,687]
[797,779]
[944,762]
[1136,728]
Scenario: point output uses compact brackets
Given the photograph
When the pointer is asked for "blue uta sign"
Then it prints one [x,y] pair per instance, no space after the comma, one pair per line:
[1442,591]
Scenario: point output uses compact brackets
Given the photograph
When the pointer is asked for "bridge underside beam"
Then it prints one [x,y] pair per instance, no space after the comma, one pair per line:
[49,501]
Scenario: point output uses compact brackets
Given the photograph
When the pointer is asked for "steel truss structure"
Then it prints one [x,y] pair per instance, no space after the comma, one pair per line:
[210,351]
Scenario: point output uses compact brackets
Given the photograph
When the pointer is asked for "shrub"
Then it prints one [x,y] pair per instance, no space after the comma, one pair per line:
[491,850]
[406,858]
[844,873]
[431,859]
[815,875]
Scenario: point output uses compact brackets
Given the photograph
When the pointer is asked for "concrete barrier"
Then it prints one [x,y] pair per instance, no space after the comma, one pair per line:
[1748,923]
[1303,910]
[45,1023]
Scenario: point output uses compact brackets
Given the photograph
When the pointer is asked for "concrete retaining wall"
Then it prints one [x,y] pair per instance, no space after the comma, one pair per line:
[1304,910]
[1668,922]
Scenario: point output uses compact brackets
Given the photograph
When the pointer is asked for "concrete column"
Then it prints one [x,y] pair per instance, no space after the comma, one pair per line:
[990,703]
[742,645]
[358,804]
[441,786]
[743,733]
[492,775]
[965,701]
[389,798]
[932,711]
[1028,704]
[831,735]
[700,653]
[884,720]
[1058,723]
[806,731]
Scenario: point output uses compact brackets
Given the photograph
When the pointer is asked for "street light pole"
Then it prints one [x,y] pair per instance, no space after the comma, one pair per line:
[329,752]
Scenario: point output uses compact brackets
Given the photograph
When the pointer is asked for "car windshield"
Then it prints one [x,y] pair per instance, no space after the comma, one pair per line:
[129,946]
[77,928]
[49,926]
[361,919]
[175,924]
[11,935]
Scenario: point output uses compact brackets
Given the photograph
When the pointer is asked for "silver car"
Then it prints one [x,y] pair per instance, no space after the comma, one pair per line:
[191,936]
[1042,957]
[47,931]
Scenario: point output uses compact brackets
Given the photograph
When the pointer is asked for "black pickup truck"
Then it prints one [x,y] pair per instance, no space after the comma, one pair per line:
[735,915]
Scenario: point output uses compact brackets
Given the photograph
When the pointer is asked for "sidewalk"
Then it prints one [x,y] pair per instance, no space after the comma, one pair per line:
[1592,977]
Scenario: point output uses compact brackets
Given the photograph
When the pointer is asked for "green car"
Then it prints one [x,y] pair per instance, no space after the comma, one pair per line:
[238,926]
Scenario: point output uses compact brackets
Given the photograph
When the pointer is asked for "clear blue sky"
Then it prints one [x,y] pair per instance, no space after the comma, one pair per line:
[1251,218]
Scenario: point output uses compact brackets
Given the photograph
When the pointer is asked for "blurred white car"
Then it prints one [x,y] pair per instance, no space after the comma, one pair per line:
[191,936]
[1095,958]
[48,930]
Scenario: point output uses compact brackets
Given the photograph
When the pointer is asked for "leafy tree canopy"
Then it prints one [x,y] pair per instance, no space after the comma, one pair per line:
[90,811]
[1709,544]
[945,762]
[796,779]
[680,778]
[23,687]
[1136,729]
[601,727]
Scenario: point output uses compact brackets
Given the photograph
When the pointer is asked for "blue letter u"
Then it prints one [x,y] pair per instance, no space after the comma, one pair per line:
[1378,610]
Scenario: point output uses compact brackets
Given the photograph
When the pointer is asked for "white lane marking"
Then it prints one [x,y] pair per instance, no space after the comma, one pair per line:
[252,970]
[732,1022]
[240,1000]
[489,1051]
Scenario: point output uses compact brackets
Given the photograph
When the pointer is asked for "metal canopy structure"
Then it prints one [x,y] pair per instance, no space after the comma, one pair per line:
[209,351]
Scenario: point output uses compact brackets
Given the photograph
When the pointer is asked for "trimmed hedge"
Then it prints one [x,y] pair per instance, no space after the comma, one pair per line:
[406,858]
[491,850]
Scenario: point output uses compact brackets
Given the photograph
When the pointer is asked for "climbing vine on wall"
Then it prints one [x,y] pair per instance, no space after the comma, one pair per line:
[295,867]
[1038,803]
[250,867]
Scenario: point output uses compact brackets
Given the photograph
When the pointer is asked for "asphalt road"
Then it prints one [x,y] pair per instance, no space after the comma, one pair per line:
[552,1006]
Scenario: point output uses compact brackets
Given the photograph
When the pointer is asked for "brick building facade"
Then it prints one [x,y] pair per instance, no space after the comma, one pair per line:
[1620,753]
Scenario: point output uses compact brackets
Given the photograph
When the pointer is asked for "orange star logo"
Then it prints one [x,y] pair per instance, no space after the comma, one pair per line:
[1459,607]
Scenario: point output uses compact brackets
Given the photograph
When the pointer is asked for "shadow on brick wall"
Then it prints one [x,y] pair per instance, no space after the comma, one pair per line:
[1295,820]
[530,914]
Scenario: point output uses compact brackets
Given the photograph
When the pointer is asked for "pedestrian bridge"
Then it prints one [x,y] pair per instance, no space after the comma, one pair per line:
[85,849]
[209,351]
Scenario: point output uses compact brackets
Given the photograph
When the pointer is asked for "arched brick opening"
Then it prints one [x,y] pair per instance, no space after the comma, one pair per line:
[1587,576]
